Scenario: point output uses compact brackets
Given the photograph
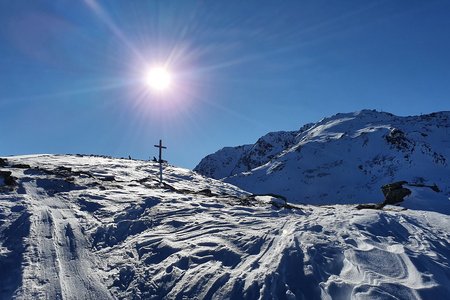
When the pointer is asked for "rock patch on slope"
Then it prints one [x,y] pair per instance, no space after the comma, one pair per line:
[394,193]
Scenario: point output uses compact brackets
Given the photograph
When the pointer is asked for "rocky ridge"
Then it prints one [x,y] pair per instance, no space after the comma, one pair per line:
[345,158]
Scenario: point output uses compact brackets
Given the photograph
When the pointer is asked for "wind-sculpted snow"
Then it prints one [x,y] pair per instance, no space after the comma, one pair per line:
[86,227]
[342,159]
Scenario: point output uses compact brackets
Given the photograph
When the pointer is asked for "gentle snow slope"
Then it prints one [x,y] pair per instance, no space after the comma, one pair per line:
[345,158]
[91,227]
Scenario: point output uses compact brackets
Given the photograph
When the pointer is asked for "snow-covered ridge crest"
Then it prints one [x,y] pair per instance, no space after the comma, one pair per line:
[88,227]
[345,158]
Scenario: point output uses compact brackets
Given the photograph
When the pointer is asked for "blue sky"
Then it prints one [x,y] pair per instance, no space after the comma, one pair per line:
[71,71]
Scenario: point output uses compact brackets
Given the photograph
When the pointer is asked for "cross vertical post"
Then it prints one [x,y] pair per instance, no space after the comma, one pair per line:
[160,160]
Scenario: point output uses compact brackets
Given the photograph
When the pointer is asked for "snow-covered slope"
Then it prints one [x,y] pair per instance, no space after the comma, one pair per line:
[345,158]
[84,227]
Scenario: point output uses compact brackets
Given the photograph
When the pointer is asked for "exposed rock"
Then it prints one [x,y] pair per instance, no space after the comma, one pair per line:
[21,166]
[394,192]
[7,178]
[398,139]
[206,192]
[107,178]
[63,171]
[369,206]
[3,162]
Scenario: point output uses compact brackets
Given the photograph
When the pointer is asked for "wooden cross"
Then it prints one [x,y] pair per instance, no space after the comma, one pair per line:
[160,146]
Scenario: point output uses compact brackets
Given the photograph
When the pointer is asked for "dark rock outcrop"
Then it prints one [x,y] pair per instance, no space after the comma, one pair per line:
[21,166]
[398,139]
[3,162]
[394,192]
[7,178]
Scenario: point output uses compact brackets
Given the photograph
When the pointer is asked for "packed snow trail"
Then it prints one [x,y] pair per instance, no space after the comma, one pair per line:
[60,264]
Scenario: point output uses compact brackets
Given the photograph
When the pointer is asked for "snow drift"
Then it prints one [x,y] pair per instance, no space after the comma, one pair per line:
[74,227]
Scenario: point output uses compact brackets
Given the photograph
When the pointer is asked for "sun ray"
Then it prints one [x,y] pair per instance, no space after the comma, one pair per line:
[101,13]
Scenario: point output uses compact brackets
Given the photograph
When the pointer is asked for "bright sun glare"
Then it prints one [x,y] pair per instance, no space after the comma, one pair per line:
[158,79]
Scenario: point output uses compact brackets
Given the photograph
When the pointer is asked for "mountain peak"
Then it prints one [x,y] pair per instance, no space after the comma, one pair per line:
[345,158]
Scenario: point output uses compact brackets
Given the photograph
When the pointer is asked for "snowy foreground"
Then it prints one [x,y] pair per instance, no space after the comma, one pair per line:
[81,227]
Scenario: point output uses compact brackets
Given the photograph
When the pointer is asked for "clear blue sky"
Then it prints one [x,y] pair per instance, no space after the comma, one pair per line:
[71,71]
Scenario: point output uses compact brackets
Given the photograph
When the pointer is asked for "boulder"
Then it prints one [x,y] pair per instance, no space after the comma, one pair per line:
[395,192]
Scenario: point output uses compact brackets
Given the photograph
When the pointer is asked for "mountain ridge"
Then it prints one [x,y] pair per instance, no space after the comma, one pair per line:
[372,148]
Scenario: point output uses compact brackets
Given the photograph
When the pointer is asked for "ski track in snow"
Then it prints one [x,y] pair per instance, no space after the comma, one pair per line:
[59,266]
[112,232]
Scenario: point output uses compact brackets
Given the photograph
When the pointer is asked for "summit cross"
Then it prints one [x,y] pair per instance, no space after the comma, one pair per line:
[160,146]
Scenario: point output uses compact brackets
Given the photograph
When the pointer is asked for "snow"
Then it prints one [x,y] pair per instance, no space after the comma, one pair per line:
[343,159]
[105,229]
[423,198]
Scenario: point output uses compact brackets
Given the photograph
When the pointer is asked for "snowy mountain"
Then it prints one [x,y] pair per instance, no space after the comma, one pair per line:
[345,158]
[88,227]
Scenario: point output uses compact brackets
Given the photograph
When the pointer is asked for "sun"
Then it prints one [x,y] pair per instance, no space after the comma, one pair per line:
[158,79]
